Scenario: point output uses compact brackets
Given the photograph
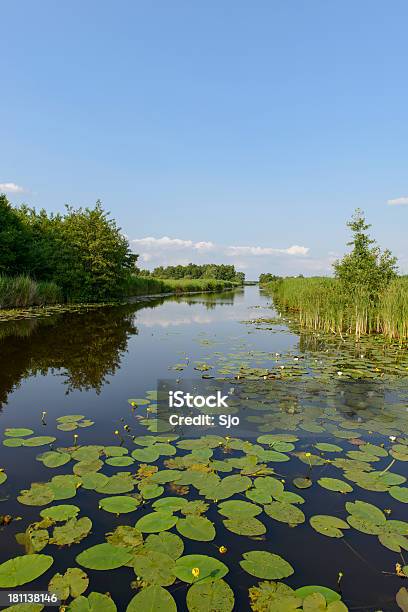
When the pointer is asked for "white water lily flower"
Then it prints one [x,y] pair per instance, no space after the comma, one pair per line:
[393,438]
[339,373]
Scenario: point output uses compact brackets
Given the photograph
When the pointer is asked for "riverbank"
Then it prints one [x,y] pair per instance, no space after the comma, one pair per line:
[322,304]
[23,298]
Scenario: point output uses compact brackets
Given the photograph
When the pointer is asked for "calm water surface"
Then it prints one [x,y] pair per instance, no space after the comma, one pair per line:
[91,363]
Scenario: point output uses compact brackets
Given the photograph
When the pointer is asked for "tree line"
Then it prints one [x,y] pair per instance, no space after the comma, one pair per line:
[194,271]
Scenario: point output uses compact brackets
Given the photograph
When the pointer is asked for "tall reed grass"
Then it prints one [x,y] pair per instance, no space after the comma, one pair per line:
[322,304]
[23,291]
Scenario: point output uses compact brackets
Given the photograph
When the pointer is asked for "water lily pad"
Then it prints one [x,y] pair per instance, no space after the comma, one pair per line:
[95,602]
[270,485]
[209,568]
[146,455]
[72,532]
[302,483]
[115,451]
[238,509]
[64,486]
[334,484]
[393,541]
[152,599]
[210,596]
[39,494]
[62,512]
[67,426]
[267,565]
[18,432]
[156,521]
[116,484]
[53,459]
[13,442]
[126,536]
[270,595]
[399,493]
[120,461]
[86,466]
[119,504]
[150,490]
[285,513]
[3,477]
[155,568]
[330,526]
[20,570]
[95,480]
[39,441]
[366,511]
[196,528]
[259,496]
[170,503]
[71,584]
[70,418]
[327,593]
[328,448]
[165,542]
[138,402]
[248,526]
[104,557]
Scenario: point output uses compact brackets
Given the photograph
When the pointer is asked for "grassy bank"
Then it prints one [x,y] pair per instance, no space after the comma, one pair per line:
[23,291]
[147,285]
[322,303]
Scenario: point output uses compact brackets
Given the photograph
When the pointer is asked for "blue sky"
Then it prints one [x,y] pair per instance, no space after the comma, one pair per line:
[244,132]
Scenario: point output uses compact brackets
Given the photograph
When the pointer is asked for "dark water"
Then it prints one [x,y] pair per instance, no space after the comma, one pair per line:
[91,363]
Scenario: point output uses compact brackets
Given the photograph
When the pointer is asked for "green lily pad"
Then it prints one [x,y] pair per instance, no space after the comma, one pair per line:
[156,521]
[64,486]
[148,454]
[165,542]
[72,532]
[138,402]
[328,448]
[95,602]
[302,483]
[39,494]
[70,418]
[196,528]
[259,496]
[209,568]
[152,599]
[150,491]
[262,564]
[116,484]
[399,493]
[60,513]
[327,593]
[67,426]
[119,461]
[155,568]
[18,432]
[249,526]
[71,584]
[170,503]
[39,441]
[334,484]
[86,466]
[270,595]
[126,536]
[238,509]
[367,512]
[104,557]
[53,459]
[285,513]
[393,541]
[210,596]
[115,451]
[119,504]
[330,526]
[13,442]
[20,570]
[3,477]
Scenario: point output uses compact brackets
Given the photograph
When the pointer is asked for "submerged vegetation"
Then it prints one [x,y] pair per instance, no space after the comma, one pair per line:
[366,296]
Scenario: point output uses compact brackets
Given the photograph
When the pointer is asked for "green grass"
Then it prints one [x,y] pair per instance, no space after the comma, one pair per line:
[23,291]
[322,304]
[147,285]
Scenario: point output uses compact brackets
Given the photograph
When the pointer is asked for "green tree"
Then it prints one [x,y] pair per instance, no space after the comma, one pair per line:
[365,267]
[13,240]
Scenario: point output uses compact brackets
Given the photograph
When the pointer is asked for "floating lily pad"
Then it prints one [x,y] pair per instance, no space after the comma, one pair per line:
[126,536]
[330,526]
[120,461]
[156,521]
[327,593]
[170,503]
[165,542]
[399,493]
[334,484]
[209,568]
[285,513]
[152,599]
[146,455]
[64,486]
[104,557]
[71,584]
[150,491]
[39,441]
[249,526]
[328,448]
[95,602]
[155,568]
[267,565]
[302,483]
[13,442]
[39,494]
[60,513]
[70,418]
[3,476]
[20,570]
[210,596]
[238,509]
[116,484]
[120,504]
[196,528]
[53,459]
[72,532]
[18,432]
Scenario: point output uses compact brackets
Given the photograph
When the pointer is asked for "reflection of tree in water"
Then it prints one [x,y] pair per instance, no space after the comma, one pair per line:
[87,347]
[209,300]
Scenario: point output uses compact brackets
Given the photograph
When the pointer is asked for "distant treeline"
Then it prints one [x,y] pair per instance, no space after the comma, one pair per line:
[194,271]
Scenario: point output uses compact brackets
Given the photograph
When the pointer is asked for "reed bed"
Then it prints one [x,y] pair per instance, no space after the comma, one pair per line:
[147,285]
[323,304]
[22,291]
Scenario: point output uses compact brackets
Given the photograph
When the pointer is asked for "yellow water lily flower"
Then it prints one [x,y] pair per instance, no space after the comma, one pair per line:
[222,550]
[195,572]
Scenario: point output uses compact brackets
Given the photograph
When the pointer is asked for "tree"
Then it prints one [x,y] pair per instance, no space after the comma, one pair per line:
[13,240]
[365,267]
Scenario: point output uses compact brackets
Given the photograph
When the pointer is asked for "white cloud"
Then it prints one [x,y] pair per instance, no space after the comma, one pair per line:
[10,188]
[257,251]
[398,201]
